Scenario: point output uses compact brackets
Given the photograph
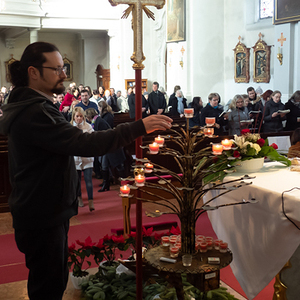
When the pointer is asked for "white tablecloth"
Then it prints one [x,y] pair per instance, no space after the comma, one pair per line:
[261,238]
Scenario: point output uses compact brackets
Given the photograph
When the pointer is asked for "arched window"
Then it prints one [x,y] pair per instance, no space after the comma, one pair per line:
[266,9]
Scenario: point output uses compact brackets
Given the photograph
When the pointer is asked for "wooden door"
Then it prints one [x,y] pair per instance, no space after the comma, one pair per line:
[103,77]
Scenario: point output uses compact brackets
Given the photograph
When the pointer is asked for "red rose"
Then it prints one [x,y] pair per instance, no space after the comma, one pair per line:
[274,146]
[245,131]
[260,142]
[236,153]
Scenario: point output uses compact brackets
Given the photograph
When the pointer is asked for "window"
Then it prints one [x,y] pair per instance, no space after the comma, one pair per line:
[266,8]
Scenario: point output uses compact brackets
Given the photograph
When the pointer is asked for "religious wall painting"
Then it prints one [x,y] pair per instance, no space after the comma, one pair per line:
[69,65]
[7,65]
[176,23]
[286,11]
[241,62]
[262,52]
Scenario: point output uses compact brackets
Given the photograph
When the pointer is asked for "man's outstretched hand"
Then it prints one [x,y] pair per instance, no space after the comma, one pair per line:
[157,122]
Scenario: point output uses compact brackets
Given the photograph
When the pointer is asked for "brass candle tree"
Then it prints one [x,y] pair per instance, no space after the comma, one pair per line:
[201,172]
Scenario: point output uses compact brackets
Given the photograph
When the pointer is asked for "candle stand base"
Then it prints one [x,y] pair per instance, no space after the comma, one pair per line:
[201,274]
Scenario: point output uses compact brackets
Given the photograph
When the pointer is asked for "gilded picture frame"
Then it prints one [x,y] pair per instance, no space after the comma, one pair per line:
[286,11]
[241,63]
[7,64]
[261,57]
[69,65]
[176,21]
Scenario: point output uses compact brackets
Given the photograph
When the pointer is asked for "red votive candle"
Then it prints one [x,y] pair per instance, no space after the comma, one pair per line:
[208,131]
[202,246]
[173,240]
[210,121]
[139,180]
[178,245]
[154,148]
[209,244]
[223,247]
[217,244]
[189,112]
[165,241]
[174,251]
[160,141]
[148,168]
[124,190]
[217,149]
[226,144]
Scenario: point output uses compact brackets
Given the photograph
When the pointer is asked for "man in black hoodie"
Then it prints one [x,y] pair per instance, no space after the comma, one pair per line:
[41,165]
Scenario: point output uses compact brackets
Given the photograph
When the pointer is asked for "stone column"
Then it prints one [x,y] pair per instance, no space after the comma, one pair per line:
[34,36]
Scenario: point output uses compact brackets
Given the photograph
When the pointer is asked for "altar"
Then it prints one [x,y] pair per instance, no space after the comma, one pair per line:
[262,236]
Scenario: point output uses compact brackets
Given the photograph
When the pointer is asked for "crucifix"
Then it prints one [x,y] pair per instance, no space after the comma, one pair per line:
[137,7]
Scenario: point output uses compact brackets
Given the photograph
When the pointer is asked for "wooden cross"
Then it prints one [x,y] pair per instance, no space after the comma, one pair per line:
[282,39]
[136,7]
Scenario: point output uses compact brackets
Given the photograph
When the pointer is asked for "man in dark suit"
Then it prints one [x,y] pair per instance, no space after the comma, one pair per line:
[156,101]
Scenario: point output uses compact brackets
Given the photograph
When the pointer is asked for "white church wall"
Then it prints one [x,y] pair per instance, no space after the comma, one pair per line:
[237,24]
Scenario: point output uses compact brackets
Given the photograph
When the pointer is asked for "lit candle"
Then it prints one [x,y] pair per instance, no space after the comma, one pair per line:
[173,240]
[139,180]
[209,244]
[226,144]
[153,148]
[124,190]
[148,168]
[217,244]
[178,245]
[210,121]
[160,141]
[202,246]
[223,247]
[217,149]
[189,112]
[174,251]
[165,240]
[208,131]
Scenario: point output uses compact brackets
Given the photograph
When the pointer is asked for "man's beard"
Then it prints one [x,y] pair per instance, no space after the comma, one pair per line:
[58,90]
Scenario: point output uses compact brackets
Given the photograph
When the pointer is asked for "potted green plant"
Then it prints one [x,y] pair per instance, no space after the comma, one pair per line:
[77,262]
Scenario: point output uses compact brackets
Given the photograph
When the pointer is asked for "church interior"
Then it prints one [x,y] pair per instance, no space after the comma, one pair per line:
[203,46]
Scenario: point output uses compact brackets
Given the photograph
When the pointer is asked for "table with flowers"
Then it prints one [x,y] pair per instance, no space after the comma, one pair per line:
[262,236]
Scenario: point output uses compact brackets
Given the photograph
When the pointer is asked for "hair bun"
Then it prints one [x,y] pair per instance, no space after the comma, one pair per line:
[17,75]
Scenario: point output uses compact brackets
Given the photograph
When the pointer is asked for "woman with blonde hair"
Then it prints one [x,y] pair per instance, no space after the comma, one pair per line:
[238,114]
[83,164]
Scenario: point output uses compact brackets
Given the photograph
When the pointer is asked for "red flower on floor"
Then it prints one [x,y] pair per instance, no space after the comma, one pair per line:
[260,142]
[274,146]
[118,239]
[175,231]
[147,232]
[87,243]
[245,131]
[236,153]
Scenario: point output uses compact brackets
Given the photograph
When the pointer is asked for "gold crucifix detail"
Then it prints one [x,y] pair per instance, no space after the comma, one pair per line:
[137,7]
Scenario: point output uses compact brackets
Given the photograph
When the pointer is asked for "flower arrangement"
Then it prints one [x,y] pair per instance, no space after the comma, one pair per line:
[251,145]
[77,257]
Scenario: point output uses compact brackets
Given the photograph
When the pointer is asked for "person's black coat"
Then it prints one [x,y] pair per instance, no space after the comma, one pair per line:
[131,104]
[109,118]
[174,103]
[273,124]
[292,116]
[209,111]
[156,100]
[195,121]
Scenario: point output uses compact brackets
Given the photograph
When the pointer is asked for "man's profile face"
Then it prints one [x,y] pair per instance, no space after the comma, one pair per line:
[85,97]
[154,87]
[51,83]
[252,94]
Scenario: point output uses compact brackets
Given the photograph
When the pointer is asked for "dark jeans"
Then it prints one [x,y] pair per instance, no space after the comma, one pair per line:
[46,256]
[88,178]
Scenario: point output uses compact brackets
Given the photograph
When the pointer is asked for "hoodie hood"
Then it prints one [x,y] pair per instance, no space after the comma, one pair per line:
[19,100]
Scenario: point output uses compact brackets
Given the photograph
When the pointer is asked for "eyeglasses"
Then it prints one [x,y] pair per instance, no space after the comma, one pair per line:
[57,70]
